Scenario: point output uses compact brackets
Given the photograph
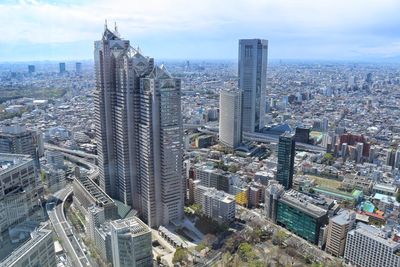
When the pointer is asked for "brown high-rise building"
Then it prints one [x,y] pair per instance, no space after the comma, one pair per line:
[338,228]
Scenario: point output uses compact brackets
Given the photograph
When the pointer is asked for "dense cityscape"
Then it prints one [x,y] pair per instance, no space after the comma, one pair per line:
[128,160]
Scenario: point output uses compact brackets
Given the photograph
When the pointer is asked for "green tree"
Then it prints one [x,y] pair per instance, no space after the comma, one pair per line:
[246,252]
[233,168]
[279,237]
[197,209]
[180,255]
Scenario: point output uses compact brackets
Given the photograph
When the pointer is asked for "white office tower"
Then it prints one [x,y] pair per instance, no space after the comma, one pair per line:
[253,56]
[131,243]
[369,246]
[230,118]
[139,131]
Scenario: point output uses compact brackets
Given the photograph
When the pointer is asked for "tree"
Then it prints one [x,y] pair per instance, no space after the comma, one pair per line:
[246,252]
[180,255]
[398,197]
[197,209]
[233,168]
[279,237]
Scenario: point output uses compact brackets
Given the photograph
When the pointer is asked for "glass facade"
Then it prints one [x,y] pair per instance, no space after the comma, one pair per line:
[298,222]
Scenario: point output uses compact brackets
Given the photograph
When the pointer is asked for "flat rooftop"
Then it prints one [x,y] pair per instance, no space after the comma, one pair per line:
[12,130]
[376,234]
[219,195]
[22,248]
[8,161]
[133,225]
[94,190]
[303,203]
[344,217]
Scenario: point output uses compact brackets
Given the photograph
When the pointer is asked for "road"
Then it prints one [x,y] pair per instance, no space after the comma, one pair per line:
[93,169]
[78,157]
[64,230]
[78,153]
[267,138]
[262,137]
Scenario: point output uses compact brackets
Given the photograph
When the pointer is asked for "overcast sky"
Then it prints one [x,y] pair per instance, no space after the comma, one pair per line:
[204,29]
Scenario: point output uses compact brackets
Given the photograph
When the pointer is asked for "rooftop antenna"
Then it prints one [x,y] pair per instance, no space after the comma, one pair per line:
[116,29]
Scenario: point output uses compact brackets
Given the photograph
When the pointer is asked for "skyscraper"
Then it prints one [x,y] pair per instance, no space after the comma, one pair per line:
[62,67]
[78,67]
[31,68]
[253,56]
[230,118]
[139,131]
[286,154]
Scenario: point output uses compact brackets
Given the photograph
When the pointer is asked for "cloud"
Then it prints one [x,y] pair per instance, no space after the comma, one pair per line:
[338,27]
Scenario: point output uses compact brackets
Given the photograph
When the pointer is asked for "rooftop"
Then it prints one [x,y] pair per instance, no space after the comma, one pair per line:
[132,224]
[376,234]
[36,237]
[219,195]
[344,217]
[303,203]
[12,160]
[94,190]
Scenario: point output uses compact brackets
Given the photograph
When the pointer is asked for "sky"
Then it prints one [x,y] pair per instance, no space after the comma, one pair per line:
[355,30]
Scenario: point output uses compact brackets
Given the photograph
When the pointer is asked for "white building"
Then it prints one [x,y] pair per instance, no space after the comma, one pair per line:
[131,243]
[230,118]
[215,204]
[368,246]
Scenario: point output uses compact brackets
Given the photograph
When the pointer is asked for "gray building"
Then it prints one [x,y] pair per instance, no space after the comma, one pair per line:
[19,140]
[78,67]
[272,194]
[61,66]
[215,204]
[55,159]
[139,131]
[369,246]
[131,243]
[38,250]
[18,190]
[253,57]
[211,177]
[230,118]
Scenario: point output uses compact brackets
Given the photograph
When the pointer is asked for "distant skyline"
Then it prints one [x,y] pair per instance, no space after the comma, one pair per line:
[355,30]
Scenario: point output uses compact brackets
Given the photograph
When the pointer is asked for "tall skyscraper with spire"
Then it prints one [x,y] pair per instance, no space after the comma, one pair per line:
[253,56]
[138,130]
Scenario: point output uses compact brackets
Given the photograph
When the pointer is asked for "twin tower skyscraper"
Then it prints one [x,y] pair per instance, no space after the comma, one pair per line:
[138,131]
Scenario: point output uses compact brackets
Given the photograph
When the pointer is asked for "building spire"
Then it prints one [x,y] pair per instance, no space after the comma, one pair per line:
[105,24]
[115,26]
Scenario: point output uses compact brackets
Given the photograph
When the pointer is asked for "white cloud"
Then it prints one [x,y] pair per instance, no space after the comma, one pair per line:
[43,22]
